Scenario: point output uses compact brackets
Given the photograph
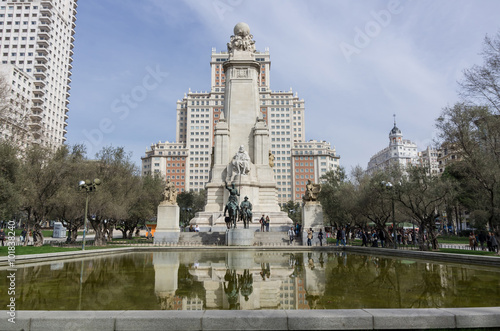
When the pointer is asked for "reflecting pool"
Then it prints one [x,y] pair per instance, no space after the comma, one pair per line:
[195,280]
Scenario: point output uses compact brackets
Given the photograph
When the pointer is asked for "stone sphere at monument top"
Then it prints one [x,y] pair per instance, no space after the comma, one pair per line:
[241,29]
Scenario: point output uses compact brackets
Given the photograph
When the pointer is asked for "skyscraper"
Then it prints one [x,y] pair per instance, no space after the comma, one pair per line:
[36,39]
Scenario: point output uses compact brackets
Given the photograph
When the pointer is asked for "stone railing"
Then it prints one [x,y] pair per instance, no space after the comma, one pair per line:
[342,319]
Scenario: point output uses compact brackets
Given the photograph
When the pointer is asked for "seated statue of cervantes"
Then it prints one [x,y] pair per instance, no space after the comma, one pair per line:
[241,162]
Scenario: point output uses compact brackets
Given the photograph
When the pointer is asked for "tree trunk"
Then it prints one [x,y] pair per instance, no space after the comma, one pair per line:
[110,234]
[100,233]
[421,236]
[37,236]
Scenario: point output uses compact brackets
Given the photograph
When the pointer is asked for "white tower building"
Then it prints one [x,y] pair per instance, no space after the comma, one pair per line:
[399,151]
[36,39]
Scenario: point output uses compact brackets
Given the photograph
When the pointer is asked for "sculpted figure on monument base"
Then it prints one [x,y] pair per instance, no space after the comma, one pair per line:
[232,206]
[242,40]
[246,212]
[312,191]
[271,159]
[241,162]
[170,193]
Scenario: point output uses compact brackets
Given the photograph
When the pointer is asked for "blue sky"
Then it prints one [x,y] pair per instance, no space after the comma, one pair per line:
[355,63]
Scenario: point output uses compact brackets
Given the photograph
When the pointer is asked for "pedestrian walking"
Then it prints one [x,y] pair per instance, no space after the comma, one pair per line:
[381,236]
[309,237]
[291,234]
[262,222]
[374,239]
[2,236]
[320,237]
[364,239]
[472,241]
[23,235]
[267,223]
[343,237]
[494,242]
[482,238]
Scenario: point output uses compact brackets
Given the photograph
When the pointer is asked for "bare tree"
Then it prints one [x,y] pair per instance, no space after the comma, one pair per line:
[15,116]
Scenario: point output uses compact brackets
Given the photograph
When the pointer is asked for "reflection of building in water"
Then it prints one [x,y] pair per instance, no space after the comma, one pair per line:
[265,290]
[192,304]
[270,280]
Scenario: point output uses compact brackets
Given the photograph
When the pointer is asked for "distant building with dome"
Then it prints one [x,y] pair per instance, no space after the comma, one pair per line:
[400,151]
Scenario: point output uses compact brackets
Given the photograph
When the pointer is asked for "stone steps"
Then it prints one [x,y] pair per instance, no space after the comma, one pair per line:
[219,238]
[202,238]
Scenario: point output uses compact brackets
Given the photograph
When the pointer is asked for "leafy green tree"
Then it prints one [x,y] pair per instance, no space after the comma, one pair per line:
[42,176]
[472,130]
[474,134]
[421,197]
[9,176]
[190,202]
[338,198]
[111,201]
[375,201]
[144,207]
[294,211]
[70,206]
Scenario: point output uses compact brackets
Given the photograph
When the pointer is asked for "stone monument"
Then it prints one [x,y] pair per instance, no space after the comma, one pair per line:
[167,221]
[241,146]
[312,211]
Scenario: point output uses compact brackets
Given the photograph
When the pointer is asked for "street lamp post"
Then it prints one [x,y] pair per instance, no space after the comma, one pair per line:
[389,186]
[88,186]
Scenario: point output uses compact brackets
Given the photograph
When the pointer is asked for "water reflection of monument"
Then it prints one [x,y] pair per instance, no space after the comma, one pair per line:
[258,280]
[241,144]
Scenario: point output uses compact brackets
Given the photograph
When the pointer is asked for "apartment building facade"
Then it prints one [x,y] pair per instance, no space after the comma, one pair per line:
[36,49]
[310,161]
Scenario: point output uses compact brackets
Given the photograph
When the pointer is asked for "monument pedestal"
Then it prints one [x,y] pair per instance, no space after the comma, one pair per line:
[312,217]
[239,237]
[167,228]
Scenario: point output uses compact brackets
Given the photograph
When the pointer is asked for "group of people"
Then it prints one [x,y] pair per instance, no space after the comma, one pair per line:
[310,235]
[22,237]
[264,223]
[194,229]
[476,239]
[377,238]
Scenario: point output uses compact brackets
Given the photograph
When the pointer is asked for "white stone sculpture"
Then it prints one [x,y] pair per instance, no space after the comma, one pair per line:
[241,162]
[242,40]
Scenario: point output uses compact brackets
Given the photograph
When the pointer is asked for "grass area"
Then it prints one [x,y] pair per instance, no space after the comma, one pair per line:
[26,250]
[441,240]
[45,233]
[467,252]
[453,240]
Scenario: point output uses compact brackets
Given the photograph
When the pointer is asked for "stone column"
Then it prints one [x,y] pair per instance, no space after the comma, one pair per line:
[261,143]
[242,101]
